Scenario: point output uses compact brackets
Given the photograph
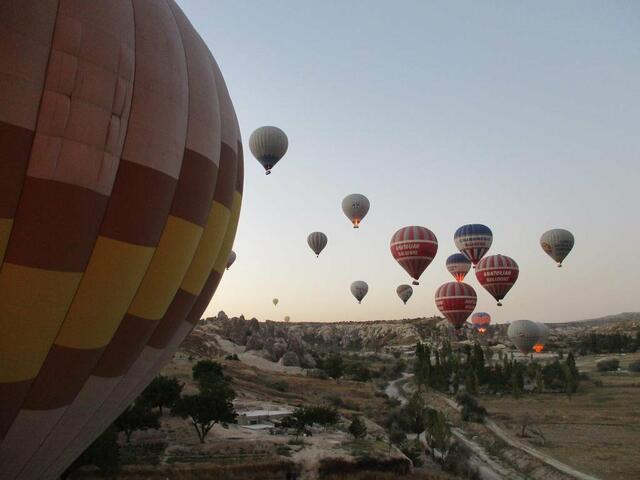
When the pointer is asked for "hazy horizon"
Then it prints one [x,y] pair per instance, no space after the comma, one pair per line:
[521,117]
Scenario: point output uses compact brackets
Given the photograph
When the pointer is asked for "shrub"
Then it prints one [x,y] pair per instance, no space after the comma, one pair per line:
[357,428]
[608,364]
[280,386]
[472,411]
[634,366]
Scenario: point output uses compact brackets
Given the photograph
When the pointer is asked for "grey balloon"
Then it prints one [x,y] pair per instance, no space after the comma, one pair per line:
[404,292]
[268,144]
[359,290]
[355,207]
[317,241]
[524,334]
[231,259]
[557,243]
[543,334]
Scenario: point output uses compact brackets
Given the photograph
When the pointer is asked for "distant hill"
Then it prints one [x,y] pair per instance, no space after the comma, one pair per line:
[620,317]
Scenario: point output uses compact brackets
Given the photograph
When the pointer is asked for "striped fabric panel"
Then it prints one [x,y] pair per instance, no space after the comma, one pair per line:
[195,290]
[162,225]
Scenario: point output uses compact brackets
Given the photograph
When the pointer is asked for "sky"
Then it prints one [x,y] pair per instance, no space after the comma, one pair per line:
[523,116]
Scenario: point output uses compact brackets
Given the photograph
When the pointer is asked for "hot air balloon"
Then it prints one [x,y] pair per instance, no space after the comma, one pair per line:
[473,241]
[268,145]
[359,290]
[232,258]
[557,243]
[275,302]
[287,318]
[355,207]
[414,248]
[480,321]
[497,274]
[404,292]
[317,241]
[458,266]
[456,301]
[122,177]
[542,337]
[524,335]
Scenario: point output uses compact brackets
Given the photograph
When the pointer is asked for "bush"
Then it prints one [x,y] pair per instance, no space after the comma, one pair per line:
[233,357]
[608,365]
[280,386]
[472,411]
[634,366]
[357,428]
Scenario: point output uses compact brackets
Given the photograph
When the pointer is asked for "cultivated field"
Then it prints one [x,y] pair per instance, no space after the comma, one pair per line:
[596,431]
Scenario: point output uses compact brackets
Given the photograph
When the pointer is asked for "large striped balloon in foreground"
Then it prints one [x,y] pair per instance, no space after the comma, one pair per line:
[557,243]
[268,144]
[317,241]
[355,207]
[497,274]
[458,265]
[480,321]
[473,241]
[404,292]
[524,334]
[359,290]
[121,171]
[456,301]
[414,248]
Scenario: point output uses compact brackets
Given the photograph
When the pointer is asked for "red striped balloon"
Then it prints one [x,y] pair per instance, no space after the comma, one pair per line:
[414,248]
[497,274]
[456,301]
[480,321]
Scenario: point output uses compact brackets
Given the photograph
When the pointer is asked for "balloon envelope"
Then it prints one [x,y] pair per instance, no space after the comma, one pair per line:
[557,243]
[268,144]
[404,292]
[275,301]
[414,248]
[355,207]
[458,265]
[481,321]
[542,337]
[359,289]
[287,318]
[524,335]
[232,258]
[497,274]
[121,168]
[473,241]
[456,301]
[317,241]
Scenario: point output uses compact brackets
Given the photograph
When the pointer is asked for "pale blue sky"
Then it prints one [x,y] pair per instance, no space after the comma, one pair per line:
[521,115]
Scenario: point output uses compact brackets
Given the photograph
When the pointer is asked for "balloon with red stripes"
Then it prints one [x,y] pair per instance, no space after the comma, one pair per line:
[456,301]
[497,274]
[414,248]
[458,265]
[481,321]
[473,241]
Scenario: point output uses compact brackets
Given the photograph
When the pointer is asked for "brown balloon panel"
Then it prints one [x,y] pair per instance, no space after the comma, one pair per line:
[121,170]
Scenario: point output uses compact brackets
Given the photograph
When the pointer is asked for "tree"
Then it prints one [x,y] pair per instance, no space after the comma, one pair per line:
[137,417]
[208,374]
[422,366]
[416,412]
[104,453]
[357,428]
[438,434]
[570,382]
[205,409]
[162,392]
[334,366]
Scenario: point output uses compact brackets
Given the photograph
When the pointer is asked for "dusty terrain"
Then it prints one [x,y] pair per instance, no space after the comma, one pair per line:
[596,431]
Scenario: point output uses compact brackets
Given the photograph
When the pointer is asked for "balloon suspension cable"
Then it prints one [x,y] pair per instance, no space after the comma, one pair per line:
[415,282]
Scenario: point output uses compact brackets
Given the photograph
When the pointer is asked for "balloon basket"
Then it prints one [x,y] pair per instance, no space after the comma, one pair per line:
[415,283]
[499,304]
[268,172]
